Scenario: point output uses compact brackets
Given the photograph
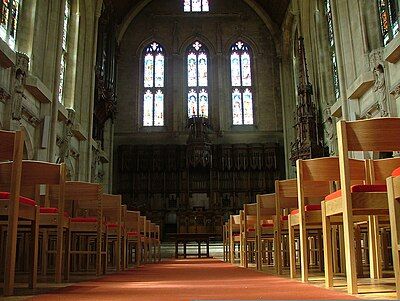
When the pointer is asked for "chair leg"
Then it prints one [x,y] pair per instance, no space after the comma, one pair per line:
[34,249]
[59,251]
[349,251]
[277,249]
[303,251]
[67,263]
[358,252]
[374,248]
[292,250]
[327,238]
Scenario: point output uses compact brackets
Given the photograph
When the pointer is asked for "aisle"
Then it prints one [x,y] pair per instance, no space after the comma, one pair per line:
[184,280]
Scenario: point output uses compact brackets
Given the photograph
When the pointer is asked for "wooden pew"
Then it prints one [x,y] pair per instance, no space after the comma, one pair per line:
[376,135]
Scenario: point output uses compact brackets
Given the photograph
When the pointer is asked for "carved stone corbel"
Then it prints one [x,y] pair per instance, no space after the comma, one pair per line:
[18,85]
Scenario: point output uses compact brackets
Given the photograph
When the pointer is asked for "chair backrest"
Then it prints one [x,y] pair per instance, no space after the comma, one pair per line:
[142,225]
[82,199]
[132,223]
[378,135]
[286,193]
[315,177]
[234,223]
[112,206]
[381,169]
[11,145]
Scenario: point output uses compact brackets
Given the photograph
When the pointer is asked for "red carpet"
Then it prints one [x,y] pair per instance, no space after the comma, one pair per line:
[185,280]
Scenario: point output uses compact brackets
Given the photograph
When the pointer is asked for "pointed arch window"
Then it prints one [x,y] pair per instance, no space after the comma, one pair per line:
[9,14]
[153,85]
[197,79]
[196,6]
[389,19]
[242,86]
[64,50]
[332,48]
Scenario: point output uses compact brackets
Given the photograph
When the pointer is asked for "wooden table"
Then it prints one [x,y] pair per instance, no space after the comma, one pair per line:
[186,238]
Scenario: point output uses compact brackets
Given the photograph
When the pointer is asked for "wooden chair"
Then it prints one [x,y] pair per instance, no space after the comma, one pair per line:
[393,184]
[11,149]
[266,211]
[84,202]
[285,199]
[112,213]
[134,241]
[234,235]
[157,243]
[54,219]
[248,232]
[225,241]
[376,135]
[124,238]
[315,180]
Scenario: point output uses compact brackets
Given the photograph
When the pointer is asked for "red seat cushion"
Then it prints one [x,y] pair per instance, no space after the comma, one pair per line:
[133,233]
[23,200]
[284,217]
[111,225]
[251,229]
[358,188]
[52,211]
[83,220]
[267,225]
[396,172]
[308,208]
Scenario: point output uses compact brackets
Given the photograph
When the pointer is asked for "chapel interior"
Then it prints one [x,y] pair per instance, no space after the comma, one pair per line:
[199,149]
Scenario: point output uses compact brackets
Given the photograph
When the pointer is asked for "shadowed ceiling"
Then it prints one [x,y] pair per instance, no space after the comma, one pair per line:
[275,8]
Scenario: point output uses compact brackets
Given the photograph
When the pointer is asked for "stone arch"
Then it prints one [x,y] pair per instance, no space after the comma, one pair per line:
[147,41]
[245,38]
[272,26]
[201,38]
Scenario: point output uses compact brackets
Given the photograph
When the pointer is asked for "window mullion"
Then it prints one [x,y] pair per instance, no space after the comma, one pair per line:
[241,84]
[154,89]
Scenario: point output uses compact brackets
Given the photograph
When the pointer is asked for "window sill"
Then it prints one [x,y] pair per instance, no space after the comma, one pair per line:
[153,129]
[392,50]
[38,90]
[244,128]
[7,55]
[361,85]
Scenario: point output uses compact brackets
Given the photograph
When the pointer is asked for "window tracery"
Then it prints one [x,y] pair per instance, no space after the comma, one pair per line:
[241,80]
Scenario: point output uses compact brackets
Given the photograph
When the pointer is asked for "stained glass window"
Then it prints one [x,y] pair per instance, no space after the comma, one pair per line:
[241,80]
[64,50]
[196,6]
[153,85]
[332,48]
[9,13]
[389,19]
[197,71]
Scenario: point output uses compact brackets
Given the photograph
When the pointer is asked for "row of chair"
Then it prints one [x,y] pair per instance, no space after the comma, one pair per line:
[53,226]
[331,214]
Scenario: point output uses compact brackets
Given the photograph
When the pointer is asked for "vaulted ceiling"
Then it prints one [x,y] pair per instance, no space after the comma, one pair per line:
[276,9]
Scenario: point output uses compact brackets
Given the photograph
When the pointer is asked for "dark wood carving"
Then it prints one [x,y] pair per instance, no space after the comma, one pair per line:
[309,134]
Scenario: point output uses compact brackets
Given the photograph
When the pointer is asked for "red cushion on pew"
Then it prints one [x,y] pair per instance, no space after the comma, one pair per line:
[24,200]
[52,211]
[111,225]
[251,229]
[133,233]
[83,220]
[396,172]
[307,208]
[284,218]
[358,188]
